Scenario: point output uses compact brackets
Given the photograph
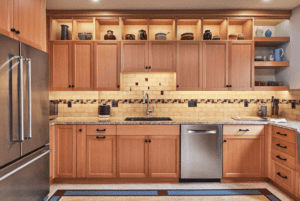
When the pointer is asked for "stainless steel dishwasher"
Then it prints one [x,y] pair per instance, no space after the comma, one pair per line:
[201,152]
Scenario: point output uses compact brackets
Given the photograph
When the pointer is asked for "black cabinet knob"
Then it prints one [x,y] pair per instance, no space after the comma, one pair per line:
[80,130]
[17,32]
[146,141]
[13,30]
[73,86]
[149,140]
[149,67]
[177,86]
[225,140]
[146,67]
[70,86]
[118,86]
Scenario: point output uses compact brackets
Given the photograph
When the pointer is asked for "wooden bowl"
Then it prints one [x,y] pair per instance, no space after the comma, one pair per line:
[233,37]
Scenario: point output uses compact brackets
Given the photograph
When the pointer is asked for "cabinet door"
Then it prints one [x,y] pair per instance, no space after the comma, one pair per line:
[297,191]
[101,156]
[243,156]
[82,66]
[189,66]
[162,56]
[61,66]
[106,66]
[132,156]
[65,151]
[241,69]
[30,21]
[164,156]
[134,56]
[6,16]
[81,131]
[215,66]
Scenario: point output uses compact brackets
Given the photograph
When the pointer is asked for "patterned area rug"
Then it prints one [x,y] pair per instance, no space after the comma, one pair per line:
[97,195]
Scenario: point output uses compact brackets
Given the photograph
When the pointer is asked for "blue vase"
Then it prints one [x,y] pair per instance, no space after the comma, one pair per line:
[268,33]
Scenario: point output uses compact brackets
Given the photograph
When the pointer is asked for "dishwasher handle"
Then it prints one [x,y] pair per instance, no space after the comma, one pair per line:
[189,131]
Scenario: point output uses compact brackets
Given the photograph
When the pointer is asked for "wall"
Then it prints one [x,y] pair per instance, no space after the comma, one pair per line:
[164,98]
[285,110]
[290,75]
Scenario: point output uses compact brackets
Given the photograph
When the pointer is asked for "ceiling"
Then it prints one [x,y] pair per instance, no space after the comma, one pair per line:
[169,4]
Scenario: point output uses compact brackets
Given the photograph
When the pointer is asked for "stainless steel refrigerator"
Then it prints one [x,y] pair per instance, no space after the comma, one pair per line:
[24,121]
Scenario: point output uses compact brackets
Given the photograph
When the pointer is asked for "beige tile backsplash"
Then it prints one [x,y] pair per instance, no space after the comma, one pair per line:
[166,82]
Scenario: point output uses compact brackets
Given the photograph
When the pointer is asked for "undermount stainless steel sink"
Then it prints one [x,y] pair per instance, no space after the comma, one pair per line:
[148,119]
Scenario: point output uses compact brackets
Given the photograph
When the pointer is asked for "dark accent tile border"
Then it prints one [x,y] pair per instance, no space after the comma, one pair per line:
[220,192]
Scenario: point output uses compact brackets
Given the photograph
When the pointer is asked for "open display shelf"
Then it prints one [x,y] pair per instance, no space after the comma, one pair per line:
[56,28]
[271,64]
[132,26]
[271,88]
[162,25]
[270,41]
[102,25]
[189,26]
[83,25]
[241,26]
[218,27]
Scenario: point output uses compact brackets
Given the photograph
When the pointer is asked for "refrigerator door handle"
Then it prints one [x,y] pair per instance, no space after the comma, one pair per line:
[8,171]
[21,101]
[29,100]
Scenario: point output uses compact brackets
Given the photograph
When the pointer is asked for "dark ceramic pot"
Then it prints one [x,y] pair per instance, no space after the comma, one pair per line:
[207,35]
[64,32]
[109,35]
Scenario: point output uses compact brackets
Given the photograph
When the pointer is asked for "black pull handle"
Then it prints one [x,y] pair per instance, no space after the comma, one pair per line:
[70,86]
[149,140]
[18,32]
[284,159]
[80,130]
[13,30]
[100,137]
[177,86]
[146,141]
[244,130]
[285,177]
[225,140]
[73,86]
[284,147]
[228,85]
[281,134]
[101,130]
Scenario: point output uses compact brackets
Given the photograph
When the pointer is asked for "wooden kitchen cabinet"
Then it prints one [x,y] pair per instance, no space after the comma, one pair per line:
[241,68]
[81,132]
[297,190]
[65,151]
[107,66]
[215,65]
[162,56]
[51,146]
[82,75]
[163,156]
[61,66]
[7,16]
[132,156]
[243,156]
[134,56]
[101,156]
[25,21]
[189,66]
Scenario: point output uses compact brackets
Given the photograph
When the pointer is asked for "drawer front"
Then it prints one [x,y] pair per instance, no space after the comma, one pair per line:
[284,134]
[284,146]
[284,159]
[101,130]
[243,130]
[148,129]
[283,176]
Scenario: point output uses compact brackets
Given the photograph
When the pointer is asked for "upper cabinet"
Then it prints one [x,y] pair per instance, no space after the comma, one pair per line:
[241,69]
[25,21]
[215,65]
[189,66]
[107,65]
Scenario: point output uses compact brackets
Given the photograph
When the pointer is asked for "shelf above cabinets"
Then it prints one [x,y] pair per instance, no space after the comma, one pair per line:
[270,41]
[271,88]
[271,64]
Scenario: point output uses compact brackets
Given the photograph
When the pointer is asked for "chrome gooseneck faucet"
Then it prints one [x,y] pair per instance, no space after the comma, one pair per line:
[144,101]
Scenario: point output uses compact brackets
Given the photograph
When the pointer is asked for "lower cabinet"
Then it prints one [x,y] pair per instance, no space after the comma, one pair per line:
[243,156]
[65,151]
[51,146]
[132,156]
[101,156]
[297,190]
[163,156]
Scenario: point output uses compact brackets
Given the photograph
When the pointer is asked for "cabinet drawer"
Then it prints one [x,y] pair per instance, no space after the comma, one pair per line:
[101,130]
[284,134]
[243,130]
[283,176]
[284,146]
[148,129]
[283,158]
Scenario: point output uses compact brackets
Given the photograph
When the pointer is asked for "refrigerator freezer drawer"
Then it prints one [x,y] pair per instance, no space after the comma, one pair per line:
[27,179]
